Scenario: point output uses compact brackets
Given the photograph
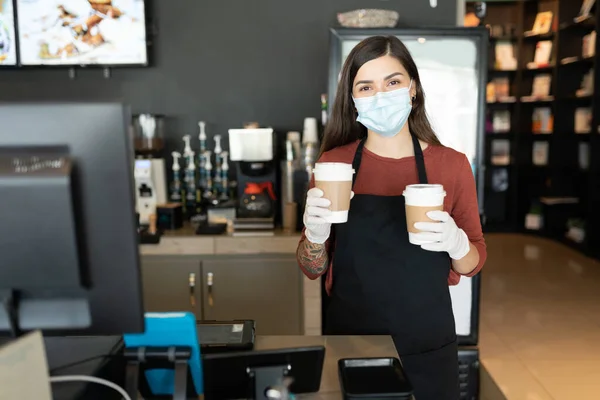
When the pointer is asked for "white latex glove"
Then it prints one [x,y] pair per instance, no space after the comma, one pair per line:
[445,235]
[317,228]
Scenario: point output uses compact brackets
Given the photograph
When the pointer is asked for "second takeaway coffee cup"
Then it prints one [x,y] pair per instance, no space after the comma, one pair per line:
[419,200]
[335,180]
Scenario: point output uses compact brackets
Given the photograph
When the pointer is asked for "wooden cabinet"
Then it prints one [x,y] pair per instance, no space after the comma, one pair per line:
[171,283]
[265,288]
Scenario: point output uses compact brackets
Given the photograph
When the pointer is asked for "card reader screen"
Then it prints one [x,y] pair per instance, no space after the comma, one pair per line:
[221,334]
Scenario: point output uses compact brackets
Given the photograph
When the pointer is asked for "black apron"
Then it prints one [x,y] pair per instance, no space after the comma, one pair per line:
[384,285]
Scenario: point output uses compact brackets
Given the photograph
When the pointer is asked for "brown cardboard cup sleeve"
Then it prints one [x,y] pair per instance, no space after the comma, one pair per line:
[419,200]
[335,180]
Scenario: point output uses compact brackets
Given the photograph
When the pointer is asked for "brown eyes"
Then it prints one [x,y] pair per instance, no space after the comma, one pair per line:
[390,83]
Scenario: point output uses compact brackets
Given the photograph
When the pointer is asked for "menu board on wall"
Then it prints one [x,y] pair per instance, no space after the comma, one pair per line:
[8,42]
[82,32]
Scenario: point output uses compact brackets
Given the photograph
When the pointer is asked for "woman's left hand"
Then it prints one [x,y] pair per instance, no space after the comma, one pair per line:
[445,235]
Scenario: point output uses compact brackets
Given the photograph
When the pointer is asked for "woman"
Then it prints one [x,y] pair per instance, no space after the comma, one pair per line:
[377,281]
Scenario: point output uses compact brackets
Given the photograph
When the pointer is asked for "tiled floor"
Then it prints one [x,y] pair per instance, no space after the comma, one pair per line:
[540,320]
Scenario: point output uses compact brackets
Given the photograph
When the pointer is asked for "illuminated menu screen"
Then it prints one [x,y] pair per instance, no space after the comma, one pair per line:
[82,32]
[8,42]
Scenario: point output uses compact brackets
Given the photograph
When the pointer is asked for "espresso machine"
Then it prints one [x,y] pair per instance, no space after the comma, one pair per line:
[253,150]
[149,169]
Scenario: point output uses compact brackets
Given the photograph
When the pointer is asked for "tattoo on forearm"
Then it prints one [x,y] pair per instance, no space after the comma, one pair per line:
[313,257]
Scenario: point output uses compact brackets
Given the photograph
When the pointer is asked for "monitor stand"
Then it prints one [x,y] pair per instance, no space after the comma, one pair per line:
[142,359]
[106,357]
[269,380]
[19,314]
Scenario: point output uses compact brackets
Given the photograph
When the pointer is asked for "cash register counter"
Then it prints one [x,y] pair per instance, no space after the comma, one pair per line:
[336,347]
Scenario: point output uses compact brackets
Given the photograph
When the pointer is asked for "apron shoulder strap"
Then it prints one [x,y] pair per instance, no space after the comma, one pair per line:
[357,160]
[420,160]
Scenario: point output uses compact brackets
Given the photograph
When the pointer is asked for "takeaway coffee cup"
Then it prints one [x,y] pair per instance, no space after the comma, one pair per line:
[335,180]
[419,200]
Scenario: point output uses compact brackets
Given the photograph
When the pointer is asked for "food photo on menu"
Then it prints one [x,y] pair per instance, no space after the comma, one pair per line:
[8,47]
[82,32]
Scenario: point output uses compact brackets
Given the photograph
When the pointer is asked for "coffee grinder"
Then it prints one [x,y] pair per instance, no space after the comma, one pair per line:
[252,150]
[149,168]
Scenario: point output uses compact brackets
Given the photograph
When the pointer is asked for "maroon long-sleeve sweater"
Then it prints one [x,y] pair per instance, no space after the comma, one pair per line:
[388,177]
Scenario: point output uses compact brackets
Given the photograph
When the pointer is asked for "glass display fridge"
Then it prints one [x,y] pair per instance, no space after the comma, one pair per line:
[452,64]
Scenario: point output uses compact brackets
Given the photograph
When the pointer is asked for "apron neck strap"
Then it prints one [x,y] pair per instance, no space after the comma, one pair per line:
[357,159]
[419,159]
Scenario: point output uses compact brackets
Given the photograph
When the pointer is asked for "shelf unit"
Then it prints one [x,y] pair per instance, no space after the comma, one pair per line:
[563,176]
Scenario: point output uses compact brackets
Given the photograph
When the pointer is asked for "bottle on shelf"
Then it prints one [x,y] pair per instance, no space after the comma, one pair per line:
[218,151]
[176,189]
[201,187]
[202,136]
[294,138]
[207,182]
[218,179]
[310,145]
[187,150]
[323,109]
[190,184]
[224,196]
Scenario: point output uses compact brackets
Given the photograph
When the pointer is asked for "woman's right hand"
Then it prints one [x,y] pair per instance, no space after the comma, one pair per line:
[317,228]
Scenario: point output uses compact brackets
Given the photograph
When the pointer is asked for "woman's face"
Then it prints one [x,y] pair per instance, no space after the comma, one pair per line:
[382,74]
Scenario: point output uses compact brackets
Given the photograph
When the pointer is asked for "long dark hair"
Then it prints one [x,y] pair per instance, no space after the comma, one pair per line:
[342,127]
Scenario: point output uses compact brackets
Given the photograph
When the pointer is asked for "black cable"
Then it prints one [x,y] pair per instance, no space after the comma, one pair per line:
[114,352]
[85,360]
[10,301]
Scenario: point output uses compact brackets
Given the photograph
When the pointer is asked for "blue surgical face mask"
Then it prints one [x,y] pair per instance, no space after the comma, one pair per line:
[386,112]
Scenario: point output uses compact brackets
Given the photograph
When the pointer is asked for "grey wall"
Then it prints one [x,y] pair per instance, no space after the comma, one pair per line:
[224,61]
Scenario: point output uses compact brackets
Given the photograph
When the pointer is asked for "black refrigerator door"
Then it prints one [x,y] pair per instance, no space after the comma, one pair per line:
[453,66]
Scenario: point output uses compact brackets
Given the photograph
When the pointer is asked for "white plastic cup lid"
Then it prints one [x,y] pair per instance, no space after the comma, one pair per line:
[333,172]
[424,195]
[425,188]
[332,165]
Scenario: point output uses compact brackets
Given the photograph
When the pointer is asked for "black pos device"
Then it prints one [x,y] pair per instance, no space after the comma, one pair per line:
[70,262]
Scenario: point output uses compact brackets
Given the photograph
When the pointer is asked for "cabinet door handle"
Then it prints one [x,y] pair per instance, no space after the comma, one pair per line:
[192,286]
[209,284]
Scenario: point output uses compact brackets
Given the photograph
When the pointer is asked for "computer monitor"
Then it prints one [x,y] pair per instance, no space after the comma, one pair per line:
[69,248]
[249,374]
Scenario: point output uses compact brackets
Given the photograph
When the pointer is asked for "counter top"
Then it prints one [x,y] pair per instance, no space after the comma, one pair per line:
[336,347]
[185,242]
[189,231]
